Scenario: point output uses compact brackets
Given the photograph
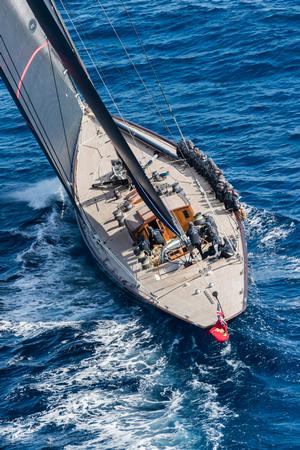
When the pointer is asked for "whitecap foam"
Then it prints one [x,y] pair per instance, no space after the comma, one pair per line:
[276,267]
[216,414]
[264,228]
[41,194]
[277,233]
[117,416]
[226,350]
[33,329]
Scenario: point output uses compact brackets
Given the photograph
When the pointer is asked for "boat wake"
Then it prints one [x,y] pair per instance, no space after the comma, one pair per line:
[108,373]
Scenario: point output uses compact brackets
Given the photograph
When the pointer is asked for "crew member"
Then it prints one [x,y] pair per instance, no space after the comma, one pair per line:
[212,235]
[210,221]
[217,243]
[228,249]
[231,200]
[156,236]
[219,190]
[144,244]
[193,234]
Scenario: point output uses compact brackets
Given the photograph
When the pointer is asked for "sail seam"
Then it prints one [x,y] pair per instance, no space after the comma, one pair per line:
[59,105]
[34,115]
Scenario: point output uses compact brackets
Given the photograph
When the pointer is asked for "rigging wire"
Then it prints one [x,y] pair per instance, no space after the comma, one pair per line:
[158,82]
[98,73]
[163,121]
[163,94]
[108,90]
[145,87]
[91,58]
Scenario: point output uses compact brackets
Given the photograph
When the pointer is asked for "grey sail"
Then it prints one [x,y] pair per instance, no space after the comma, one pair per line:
[60,41]
[40,85]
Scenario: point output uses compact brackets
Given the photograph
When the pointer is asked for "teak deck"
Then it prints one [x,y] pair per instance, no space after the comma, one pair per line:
[187,292]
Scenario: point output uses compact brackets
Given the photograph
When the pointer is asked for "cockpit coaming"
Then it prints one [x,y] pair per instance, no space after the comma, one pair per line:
[140,220]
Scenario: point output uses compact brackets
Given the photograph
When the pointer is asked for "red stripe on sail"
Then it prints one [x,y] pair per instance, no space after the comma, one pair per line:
[36,51]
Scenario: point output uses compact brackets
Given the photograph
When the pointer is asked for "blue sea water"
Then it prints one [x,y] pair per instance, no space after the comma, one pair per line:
[81,365]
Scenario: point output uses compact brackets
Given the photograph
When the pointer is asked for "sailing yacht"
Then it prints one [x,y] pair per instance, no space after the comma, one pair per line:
[139,198]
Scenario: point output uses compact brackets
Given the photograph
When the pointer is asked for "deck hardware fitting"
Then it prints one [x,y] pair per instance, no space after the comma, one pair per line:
[209,297]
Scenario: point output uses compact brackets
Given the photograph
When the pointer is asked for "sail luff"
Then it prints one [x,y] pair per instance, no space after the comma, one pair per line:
[77,71]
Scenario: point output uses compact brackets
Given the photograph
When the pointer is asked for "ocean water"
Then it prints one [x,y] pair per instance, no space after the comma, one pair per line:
[84,367]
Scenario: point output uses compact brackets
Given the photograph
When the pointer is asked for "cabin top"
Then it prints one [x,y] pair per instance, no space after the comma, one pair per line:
[172,202]
[138,219]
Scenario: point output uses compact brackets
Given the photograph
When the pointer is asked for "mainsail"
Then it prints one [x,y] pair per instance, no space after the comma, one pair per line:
[36,56]
[40,85]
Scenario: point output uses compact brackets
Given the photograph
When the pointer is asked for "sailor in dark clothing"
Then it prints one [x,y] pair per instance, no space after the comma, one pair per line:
[217,243]
[228,200]
[235,195]
[194,235]
[218,177]
[208,168]
[228,249]
[235,203]
[156,236]
[210,232]
[211,169]
[182,149]
[199,165]
[220,186]
[231,200]
[190,144]
[212,235]
[144,244]
[219,190]
[210,221]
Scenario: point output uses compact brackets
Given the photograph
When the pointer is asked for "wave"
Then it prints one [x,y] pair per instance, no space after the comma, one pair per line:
[295,133]
[125,392]
[268,228]
[41,194]
[105,373]
[33,329]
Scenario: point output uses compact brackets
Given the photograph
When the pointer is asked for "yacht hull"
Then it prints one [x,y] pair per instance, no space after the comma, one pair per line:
[185,294]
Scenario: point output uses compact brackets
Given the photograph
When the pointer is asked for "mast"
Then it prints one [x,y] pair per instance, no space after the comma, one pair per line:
[77,71]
